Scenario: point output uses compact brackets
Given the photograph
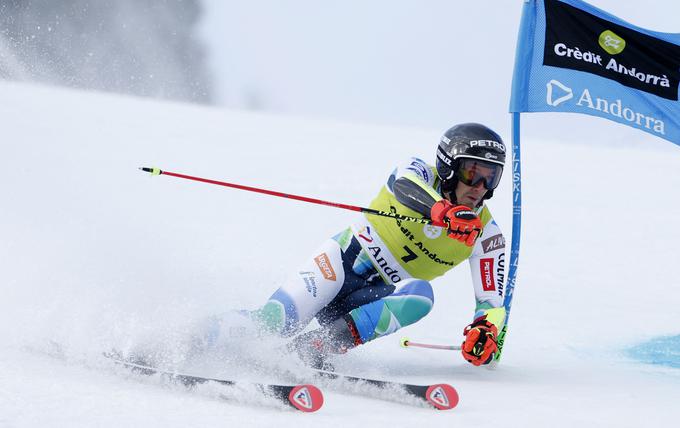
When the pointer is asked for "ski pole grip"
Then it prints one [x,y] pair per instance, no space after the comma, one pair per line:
[153,171]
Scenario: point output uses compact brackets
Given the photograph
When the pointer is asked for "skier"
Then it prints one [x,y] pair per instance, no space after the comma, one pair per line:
[372,278]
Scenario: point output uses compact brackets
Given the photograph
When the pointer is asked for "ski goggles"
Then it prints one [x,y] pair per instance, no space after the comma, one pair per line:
[471,171]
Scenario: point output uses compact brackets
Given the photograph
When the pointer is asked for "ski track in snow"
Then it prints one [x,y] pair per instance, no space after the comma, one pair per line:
[96,255]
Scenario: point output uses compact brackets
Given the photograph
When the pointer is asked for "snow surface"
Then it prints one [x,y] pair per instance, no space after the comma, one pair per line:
[96,255]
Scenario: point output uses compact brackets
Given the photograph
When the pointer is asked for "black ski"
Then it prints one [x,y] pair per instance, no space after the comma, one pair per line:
[302,397]
[441,396]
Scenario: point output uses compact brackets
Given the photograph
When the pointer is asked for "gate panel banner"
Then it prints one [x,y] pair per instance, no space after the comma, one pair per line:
[573,57]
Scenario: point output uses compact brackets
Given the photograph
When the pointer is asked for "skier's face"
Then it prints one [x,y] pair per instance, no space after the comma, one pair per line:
[470,196]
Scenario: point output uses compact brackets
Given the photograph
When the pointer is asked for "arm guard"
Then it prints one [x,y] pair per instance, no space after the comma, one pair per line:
[487,265]
[413,184]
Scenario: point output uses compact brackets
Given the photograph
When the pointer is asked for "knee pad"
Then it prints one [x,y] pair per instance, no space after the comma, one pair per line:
[415,287]
[409,303]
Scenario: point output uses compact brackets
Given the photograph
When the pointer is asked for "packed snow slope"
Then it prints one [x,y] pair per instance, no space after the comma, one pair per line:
[96,255]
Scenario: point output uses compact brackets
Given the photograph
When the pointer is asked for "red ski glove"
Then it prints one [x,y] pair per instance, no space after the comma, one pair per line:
[462,223]
[480,342]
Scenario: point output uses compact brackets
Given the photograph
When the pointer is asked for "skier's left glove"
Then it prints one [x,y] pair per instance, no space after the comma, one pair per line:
[480,342]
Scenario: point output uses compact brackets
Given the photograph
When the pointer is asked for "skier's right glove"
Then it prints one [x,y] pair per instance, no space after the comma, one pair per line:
[462,223]
[480,342]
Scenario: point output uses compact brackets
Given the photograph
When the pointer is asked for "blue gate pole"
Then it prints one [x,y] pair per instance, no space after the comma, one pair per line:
[516,229]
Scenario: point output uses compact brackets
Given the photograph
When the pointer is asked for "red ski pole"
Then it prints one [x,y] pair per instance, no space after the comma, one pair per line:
[157,171]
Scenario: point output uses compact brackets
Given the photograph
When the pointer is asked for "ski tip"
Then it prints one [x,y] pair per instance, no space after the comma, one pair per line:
[442,396]
[306,398]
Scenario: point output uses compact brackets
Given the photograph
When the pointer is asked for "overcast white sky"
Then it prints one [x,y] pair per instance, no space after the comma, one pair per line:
[425,64]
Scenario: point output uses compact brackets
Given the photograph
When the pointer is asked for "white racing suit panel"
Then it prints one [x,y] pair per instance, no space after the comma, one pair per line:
[487,265]
[312,288]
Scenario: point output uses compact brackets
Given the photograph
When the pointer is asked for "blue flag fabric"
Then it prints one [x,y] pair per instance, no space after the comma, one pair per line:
[573,57]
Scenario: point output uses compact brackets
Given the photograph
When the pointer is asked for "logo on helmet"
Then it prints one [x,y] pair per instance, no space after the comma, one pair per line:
[490,156]
[442,157]
[488,143]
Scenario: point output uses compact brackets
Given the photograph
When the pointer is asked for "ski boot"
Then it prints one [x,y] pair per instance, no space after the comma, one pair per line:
[315,347]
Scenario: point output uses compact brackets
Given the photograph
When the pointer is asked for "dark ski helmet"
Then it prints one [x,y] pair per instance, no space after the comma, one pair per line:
[469,141]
